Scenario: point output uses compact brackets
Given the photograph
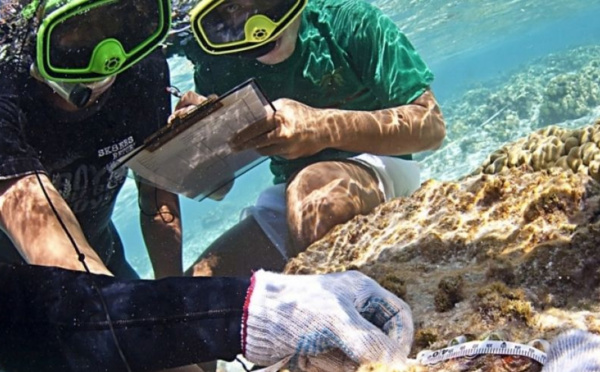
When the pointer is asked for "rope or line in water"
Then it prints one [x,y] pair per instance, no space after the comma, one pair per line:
[81,258]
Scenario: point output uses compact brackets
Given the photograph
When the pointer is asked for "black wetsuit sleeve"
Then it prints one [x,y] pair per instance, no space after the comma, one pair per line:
[151,77]
[53,320]
[17,157]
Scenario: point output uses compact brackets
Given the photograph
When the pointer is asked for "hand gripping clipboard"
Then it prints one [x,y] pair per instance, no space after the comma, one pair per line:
[191,156]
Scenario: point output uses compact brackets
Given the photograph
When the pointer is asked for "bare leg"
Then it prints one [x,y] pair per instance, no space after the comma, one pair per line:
[207,366]
[326,194]
[238,252]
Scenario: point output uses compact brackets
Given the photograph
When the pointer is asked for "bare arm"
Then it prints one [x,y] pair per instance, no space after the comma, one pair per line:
[27,218]
[160,220]
[405,129]
[303,130]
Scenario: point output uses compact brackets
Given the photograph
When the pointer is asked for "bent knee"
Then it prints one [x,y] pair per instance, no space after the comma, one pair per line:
[326,194]
[330,186]
[204,267]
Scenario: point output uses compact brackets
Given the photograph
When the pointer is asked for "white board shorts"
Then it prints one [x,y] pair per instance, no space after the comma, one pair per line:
[397,177]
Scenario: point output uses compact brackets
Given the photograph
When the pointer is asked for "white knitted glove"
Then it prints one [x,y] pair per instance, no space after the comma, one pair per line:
[345,317]
[574,351]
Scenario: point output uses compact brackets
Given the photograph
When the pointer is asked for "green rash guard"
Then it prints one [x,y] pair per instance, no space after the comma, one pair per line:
[348,55]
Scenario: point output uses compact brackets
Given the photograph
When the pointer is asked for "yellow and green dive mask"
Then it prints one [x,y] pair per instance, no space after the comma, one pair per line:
[85,41]
[236,26]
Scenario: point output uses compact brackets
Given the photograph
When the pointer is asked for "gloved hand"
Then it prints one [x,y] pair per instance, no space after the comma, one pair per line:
[345,318]
[575,350]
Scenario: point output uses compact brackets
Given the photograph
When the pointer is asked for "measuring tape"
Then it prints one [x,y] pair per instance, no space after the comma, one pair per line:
[473,348]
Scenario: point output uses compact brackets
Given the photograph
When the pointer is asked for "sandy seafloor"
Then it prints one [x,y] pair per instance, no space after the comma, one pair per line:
[482,53]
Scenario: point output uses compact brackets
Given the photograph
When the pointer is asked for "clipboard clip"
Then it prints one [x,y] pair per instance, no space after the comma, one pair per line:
[179,124]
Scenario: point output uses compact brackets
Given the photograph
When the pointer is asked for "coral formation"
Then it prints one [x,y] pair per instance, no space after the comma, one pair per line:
[559,89]
[577,150]
[571,96]
[515,249]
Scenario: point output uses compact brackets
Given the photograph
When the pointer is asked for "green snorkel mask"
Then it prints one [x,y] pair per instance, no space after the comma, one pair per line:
[242,26]
[82,43]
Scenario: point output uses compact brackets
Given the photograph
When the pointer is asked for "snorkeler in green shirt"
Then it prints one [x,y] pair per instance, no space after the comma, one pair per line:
[353,102]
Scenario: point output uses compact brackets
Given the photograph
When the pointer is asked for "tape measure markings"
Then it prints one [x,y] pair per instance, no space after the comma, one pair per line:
[474,348]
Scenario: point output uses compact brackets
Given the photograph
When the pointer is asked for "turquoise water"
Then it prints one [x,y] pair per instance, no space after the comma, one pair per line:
[479,51]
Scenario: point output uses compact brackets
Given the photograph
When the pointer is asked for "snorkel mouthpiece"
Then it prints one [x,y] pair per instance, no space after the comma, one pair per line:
[76,93]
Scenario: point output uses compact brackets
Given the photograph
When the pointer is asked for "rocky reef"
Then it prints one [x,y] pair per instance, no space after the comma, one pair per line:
[502,242]
[512,247]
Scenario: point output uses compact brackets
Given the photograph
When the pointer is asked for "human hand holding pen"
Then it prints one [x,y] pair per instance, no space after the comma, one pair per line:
[295,130]
[187,102]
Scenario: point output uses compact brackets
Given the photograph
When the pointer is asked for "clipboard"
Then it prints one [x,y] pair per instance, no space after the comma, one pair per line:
[191,156]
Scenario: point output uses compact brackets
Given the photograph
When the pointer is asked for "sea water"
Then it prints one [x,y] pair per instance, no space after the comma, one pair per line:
[475,49]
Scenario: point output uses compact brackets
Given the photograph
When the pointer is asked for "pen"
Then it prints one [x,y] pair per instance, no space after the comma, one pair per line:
[174,91]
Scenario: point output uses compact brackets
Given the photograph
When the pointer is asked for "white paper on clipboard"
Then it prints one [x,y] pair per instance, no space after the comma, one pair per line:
[198,160]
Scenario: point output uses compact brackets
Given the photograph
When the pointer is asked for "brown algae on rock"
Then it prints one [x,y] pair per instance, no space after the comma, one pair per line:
[514,250]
